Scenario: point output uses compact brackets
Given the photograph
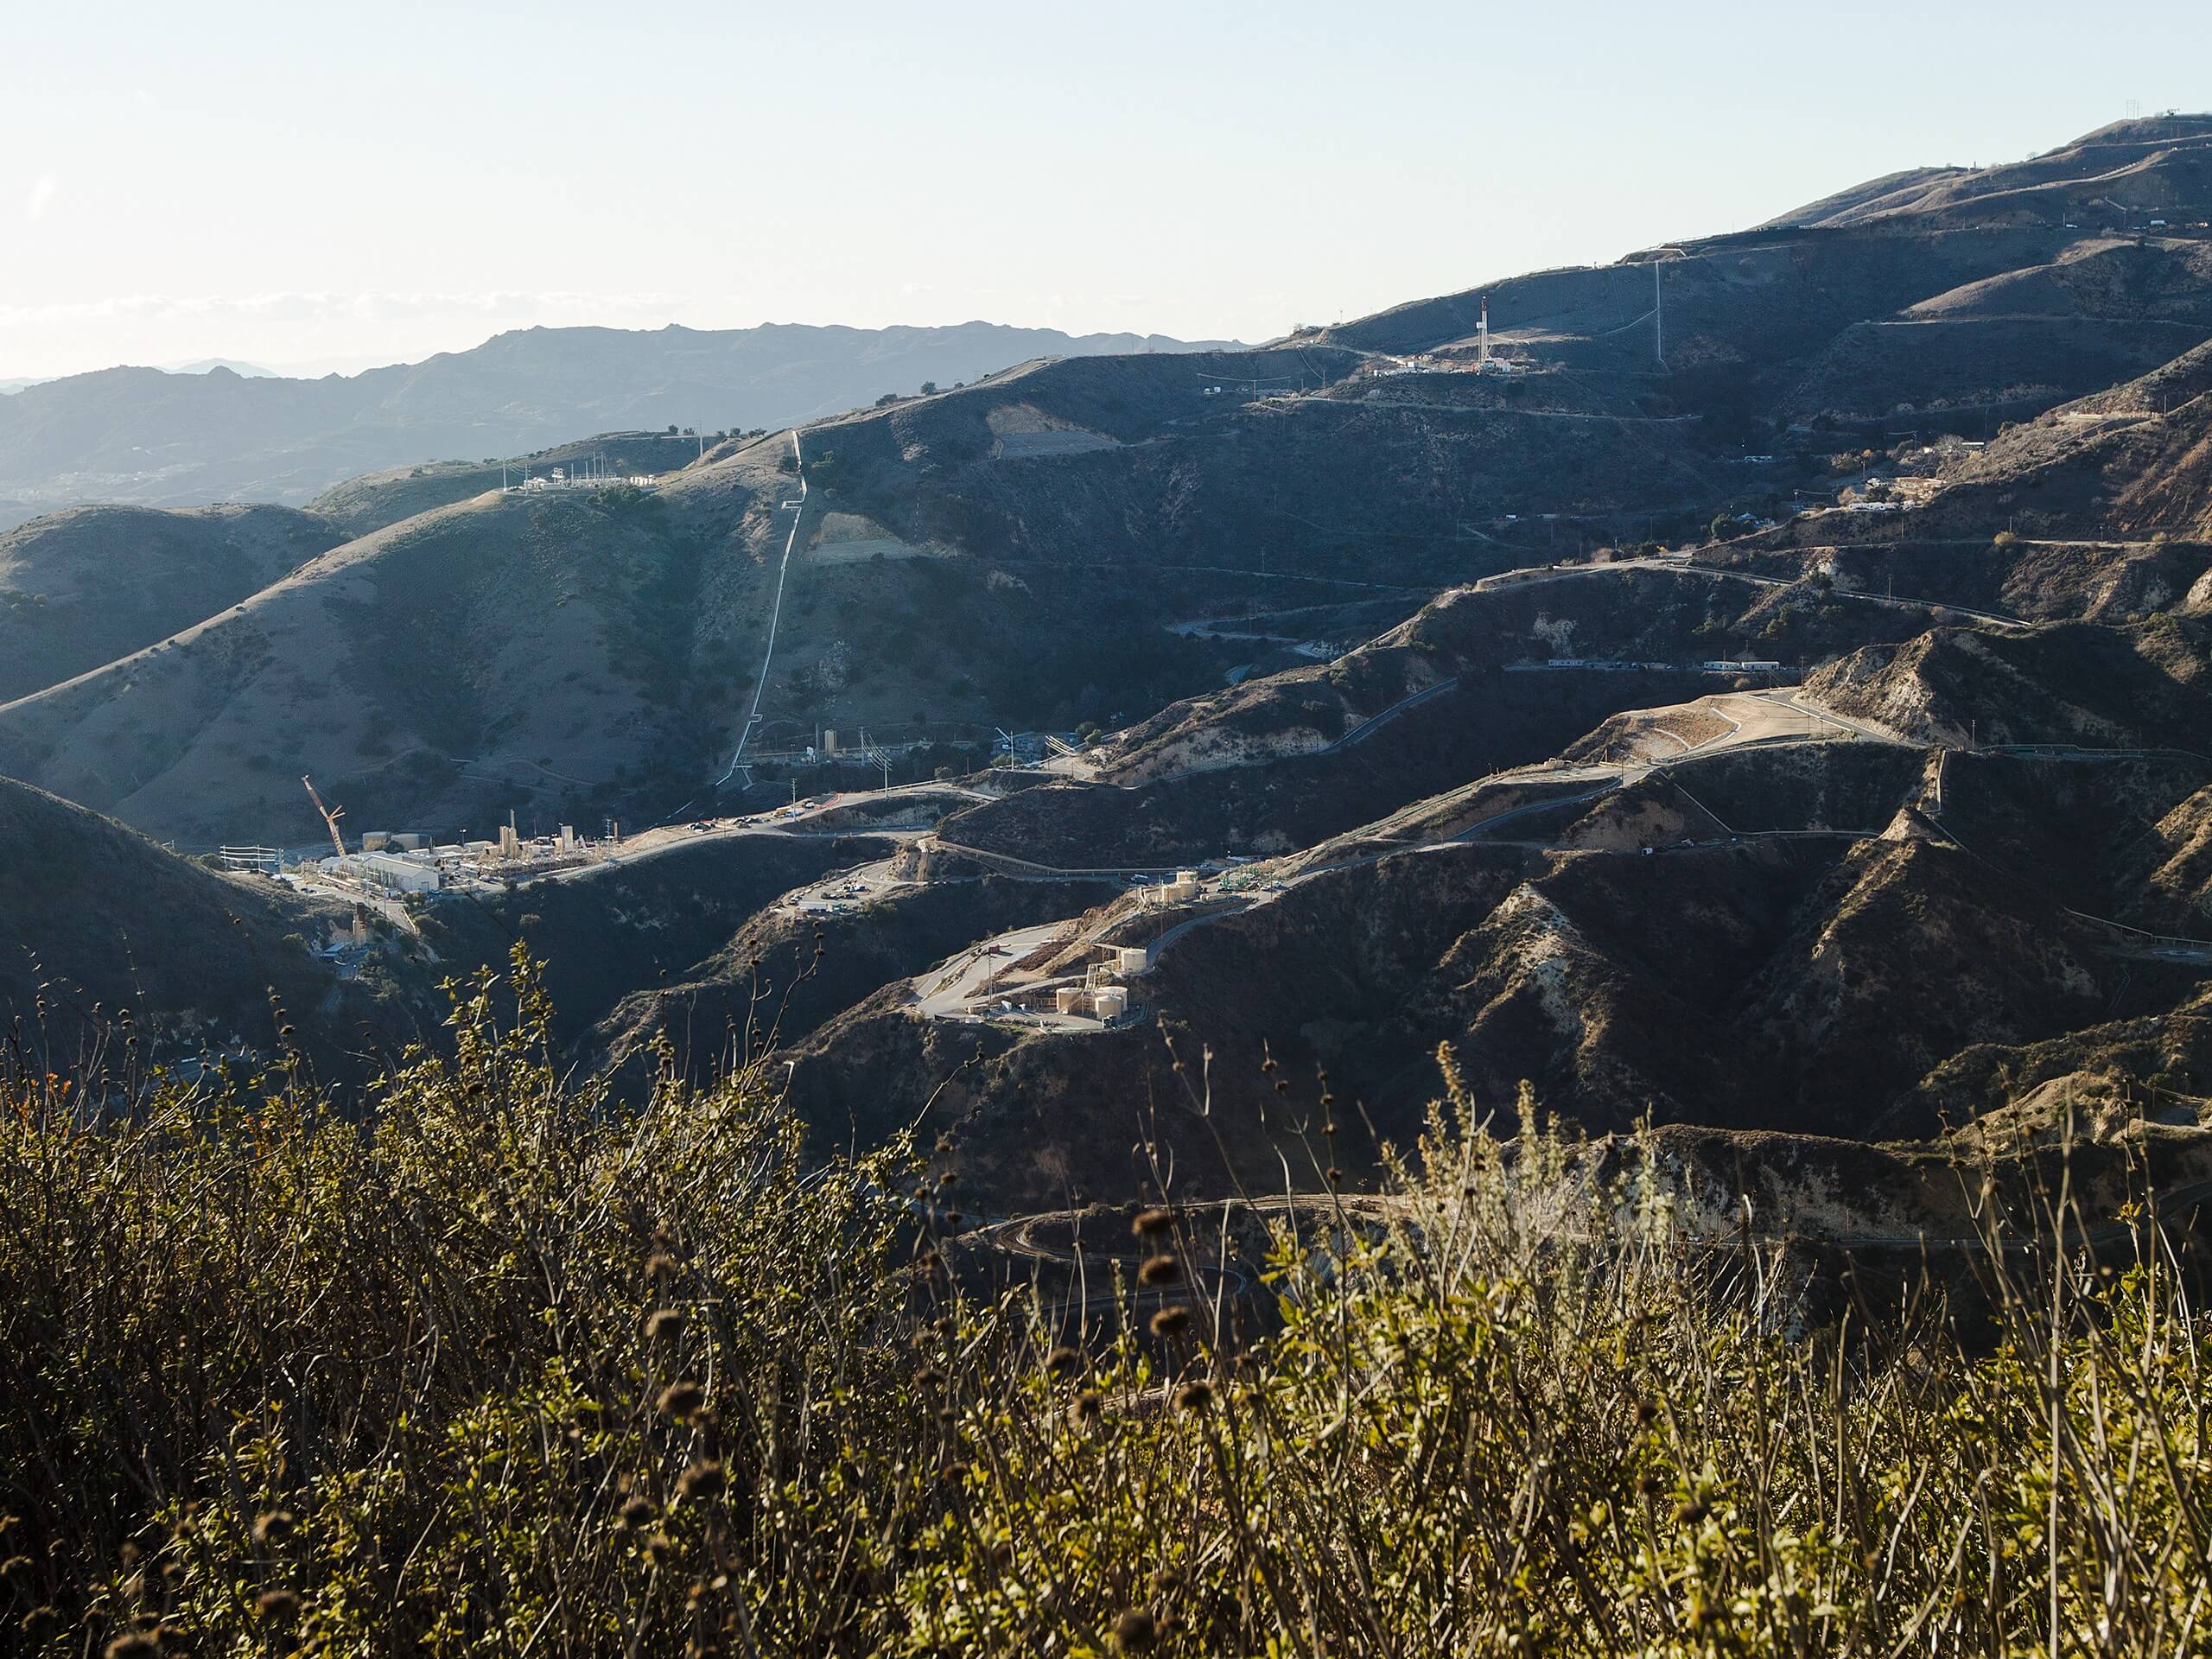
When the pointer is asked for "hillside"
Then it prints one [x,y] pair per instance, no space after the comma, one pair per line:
[82,588]
[1057,543]
[95,920]
[1853,926]
[1924,294]
[1397,650]
[430,674]
[580,654]
[2140,686]
[143,436]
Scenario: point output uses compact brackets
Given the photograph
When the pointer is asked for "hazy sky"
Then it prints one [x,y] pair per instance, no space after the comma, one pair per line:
[339,184]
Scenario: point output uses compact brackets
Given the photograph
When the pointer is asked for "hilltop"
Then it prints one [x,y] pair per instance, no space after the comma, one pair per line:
[162,439]
[370,502]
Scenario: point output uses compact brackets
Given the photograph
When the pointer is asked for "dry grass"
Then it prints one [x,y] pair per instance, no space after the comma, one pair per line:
[512,1373]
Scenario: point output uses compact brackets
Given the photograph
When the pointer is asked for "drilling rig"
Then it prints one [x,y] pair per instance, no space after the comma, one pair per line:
[330,815]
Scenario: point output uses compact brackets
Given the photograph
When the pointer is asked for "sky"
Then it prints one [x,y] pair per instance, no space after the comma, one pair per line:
[327,186]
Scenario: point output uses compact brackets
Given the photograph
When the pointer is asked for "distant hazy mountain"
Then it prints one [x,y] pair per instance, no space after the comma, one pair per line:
[147,436]
[247,371]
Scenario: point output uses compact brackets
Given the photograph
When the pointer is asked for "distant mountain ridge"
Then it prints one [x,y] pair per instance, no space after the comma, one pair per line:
[160,439]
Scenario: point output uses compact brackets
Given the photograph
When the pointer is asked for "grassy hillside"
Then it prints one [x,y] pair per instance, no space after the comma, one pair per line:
[430,674]
[81,588]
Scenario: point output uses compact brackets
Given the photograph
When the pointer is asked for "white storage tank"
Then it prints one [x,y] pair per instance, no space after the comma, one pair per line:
[1129,959]
[1112,1002]
[1065,998]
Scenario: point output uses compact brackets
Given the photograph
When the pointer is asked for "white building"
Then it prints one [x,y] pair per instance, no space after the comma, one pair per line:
[388,871]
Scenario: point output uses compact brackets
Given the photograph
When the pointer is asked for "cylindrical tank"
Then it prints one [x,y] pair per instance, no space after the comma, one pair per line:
[1112,1002]
[1129,959]
[1065,998]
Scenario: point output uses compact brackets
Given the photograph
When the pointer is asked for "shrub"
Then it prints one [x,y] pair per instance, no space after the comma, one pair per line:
[508,1368]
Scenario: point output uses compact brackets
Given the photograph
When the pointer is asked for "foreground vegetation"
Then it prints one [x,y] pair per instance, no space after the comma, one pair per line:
[512,1372]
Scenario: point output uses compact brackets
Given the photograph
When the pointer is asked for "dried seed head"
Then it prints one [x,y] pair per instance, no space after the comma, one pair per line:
[664,1325]
[1647,1413]
[635,1515]
[1166,1581]
[929,1377]
[660,1265]
[1171,1322]
[701,1480]
[1647,1486]
[1691,1512]
[1063,1361]
[277,1607]
[274,1527]
[137,1644]
[39,1622]
[660,1546]
[1160,1270]
[1135,1630]
[682,1399]
[1197,1394]
[1086,1407]
[1157,1219]
[15,1566]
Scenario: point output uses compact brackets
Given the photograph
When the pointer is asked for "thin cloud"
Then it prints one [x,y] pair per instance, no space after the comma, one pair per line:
[41,195]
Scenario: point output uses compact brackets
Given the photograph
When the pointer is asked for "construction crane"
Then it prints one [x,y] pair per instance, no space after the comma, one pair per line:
[330,815]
